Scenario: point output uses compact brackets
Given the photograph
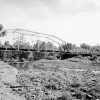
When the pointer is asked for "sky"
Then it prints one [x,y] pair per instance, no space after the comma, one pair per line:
[74,21]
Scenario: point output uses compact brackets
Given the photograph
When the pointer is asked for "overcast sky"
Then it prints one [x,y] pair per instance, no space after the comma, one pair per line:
[75,21]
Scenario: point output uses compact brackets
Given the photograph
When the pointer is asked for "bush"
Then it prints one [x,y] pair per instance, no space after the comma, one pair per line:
[38,55]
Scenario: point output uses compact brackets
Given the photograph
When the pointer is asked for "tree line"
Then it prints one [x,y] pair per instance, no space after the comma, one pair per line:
[39,45]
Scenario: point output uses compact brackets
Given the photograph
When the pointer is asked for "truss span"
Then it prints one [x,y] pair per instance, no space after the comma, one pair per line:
[32,41]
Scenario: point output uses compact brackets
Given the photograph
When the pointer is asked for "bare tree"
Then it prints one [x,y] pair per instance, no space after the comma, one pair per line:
[85,46]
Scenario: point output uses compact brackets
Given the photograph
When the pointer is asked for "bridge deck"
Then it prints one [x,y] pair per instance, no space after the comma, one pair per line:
[26,50]
[55,51]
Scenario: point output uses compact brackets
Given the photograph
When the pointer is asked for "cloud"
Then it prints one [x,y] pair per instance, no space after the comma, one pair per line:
[71,7]
[31,10]
[53,16]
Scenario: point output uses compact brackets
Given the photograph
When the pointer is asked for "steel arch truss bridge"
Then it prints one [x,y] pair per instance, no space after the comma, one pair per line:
[23,45]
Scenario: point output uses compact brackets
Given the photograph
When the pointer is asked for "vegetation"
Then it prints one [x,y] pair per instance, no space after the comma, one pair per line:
[2,31]
[13,55]
[68,46]
[39,45]
[85,46]
[58,85]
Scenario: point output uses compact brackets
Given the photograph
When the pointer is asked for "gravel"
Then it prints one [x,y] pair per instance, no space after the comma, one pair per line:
[71,79]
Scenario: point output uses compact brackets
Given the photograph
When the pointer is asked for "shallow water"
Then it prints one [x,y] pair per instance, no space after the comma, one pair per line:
[20,65]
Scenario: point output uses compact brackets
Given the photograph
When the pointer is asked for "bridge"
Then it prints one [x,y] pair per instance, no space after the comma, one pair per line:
[19,44]
[20,36]
[26,42]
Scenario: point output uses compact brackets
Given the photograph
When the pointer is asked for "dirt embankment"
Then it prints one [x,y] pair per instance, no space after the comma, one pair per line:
[72,79]
[8,78]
